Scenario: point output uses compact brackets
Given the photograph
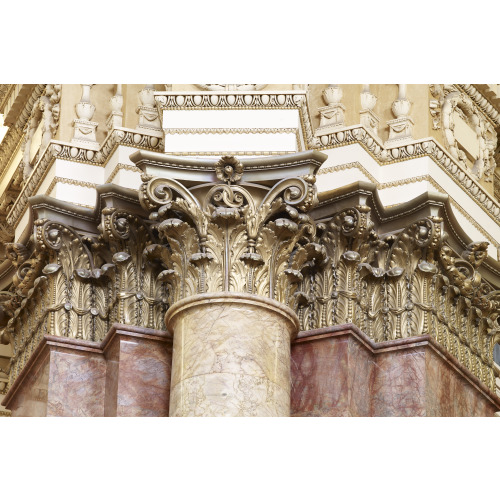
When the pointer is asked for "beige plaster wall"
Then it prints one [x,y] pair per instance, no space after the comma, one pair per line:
[100,95]
[70,95]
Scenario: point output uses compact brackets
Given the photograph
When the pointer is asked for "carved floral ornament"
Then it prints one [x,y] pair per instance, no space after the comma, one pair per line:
[450,101]
[230,235]
[237,237]
[229,169]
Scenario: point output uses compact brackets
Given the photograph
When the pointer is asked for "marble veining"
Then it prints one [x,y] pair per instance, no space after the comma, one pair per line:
[30,399]
[231,357]
[76,384]
[342,373]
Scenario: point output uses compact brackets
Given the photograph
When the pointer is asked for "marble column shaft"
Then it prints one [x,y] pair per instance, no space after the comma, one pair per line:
[231,355]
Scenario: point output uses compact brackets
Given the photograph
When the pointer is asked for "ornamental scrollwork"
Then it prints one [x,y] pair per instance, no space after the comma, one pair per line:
[236,237]
[401,285]
[451,102]
[76,286]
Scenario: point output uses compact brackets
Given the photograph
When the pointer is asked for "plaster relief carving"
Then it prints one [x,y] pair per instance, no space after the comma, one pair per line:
[148,113]
[84,129]
[49,105]
[401,285]
[332,115]
[400,129]
[452,105]
[74,286]
[228,240]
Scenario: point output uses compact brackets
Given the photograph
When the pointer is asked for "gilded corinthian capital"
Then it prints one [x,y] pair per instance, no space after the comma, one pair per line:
[230,225]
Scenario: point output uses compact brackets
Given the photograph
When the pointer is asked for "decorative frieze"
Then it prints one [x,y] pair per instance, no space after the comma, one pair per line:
[409,283]
[236,100]
[74,286]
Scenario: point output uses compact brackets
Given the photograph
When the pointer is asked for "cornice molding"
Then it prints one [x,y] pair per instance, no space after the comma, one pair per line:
[486,106]
[67,151]
[411,180]
[427,203]
[429,147]
[246,99]
[174,131]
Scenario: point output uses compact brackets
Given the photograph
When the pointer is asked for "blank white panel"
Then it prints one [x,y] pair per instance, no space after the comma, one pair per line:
[229,142]
[74,194]
[231,118]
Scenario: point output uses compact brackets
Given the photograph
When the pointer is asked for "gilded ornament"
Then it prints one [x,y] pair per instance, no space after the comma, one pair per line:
[229,169]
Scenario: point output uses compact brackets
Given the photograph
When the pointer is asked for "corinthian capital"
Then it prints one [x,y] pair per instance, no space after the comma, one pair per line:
[230,225]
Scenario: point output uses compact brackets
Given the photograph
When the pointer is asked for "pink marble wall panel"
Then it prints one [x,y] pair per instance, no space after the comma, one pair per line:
[30,400]
[139,377]
[320,378]
[450,394]
[112,374]
[398,386]
[361,372]
[76,383]
[342,373]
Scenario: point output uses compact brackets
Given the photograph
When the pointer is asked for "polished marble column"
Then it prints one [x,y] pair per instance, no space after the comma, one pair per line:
[231,355]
